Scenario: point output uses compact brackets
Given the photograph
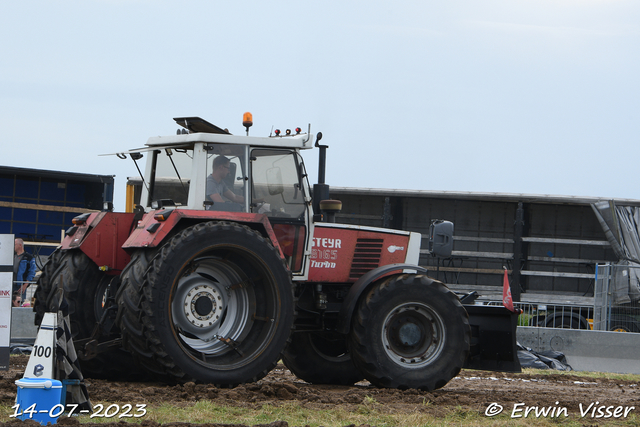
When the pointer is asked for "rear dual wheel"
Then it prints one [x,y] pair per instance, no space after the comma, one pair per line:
[71,276]
[214,304]
[46,297]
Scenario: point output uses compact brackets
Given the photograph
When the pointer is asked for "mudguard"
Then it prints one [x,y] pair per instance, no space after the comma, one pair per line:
[155,226]
[108,237]
[349,304]
[100,237]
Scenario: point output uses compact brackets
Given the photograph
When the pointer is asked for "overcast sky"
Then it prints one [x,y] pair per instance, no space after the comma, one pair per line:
[537,97]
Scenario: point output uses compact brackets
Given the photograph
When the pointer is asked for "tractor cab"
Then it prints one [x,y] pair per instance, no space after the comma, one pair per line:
[252,174]
[247,179]
[204,168]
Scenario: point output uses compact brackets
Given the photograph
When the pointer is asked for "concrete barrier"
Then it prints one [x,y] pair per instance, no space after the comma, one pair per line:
[599,351]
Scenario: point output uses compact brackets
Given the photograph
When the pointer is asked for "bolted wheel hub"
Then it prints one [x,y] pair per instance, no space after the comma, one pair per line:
[413,335]
[203,306]
[410,334]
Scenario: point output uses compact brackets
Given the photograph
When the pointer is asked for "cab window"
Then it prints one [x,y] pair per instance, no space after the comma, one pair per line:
[276,189]
[225,178]
[173,169]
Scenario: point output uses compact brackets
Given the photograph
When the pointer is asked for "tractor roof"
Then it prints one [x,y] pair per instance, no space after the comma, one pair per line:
[201,130]
[302,140]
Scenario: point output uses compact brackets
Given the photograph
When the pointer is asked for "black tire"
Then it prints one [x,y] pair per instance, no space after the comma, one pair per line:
[84,286]
[409,331]
[214,304]
[46,298]
[622,323]
[321,358]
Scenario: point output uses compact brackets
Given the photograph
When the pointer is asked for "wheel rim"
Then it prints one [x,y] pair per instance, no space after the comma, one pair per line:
[413,335]
[212,306]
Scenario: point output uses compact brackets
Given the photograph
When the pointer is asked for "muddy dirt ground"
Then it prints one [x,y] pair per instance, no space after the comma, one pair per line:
[475,391]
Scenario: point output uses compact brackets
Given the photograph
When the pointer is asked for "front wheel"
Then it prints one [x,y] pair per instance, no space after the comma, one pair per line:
[410,331]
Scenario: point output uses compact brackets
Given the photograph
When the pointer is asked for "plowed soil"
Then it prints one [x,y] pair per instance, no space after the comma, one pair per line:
[475,391]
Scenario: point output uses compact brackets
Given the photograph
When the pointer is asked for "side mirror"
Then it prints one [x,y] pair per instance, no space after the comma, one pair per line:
[441,238]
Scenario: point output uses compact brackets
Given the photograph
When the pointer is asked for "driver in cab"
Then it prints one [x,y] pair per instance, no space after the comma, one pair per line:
[217,187]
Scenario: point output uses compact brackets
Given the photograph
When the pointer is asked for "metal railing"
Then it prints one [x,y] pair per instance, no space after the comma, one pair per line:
[617,298]
[564,316]
[616,304]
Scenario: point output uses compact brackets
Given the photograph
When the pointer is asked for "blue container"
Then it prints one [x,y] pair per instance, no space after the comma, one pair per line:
[40,398]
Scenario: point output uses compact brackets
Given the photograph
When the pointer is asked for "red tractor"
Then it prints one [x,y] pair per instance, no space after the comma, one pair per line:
[231,263]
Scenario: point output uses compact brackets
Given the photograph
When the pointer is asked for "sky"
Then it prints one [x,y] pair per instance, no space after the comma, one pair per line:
[537,97]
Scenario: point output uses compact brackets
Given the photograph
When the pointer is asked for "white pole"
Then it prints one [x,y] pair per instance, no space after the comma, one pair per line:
[7,247]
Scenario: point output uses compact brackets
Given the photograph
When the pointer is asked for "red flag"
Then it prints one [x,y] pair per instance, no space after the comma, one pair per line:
[507,301]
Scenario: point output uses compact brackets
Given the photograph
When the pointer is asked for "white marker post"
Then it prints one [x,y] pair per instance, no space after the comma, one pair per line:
[43,355]
[7,247]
